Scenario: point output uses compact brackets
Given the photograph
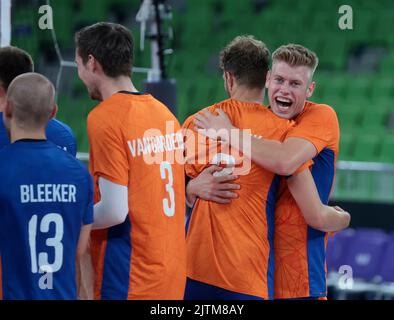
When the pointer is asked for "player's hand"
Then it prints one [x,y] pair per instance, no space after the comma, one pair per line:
[209,187]
[339,209]
[214,126]
[345,215]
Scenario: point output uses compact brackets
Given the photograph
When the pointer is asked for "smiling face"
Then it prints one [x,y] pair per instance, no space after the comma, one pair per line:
[288,88]
[87,75]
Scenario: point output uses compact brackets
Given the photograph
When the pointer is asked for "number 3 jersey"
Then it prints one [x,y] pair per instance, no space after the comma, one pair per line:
[135,141]
[46,195]
[231,245]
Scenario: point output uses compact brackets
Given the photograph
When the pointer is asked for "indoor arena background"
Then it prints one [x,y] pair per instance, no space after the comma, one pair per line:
[355,76]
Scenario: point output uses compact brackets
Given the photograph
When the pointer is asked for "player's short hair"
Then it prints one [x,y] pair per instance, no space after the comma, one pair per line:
[13,62]
[296,55]
[247,59]
[111,44]
[33,98]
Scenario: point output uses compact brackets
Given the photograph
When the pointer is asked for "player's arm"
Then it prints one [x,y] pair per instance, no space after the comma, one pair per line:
[83,241]
[85,277]
[316,214]
[208,187]
[84,267]
[112,209]
[282,158]
[82,263]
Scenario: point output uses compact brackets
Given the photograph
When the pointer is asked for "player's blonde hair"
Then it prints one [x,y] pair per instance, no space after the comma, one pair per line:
[296,55]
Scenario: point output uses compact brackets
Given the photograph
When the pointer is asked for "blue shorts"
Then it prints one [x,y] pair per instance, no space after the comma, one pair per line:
[196,290]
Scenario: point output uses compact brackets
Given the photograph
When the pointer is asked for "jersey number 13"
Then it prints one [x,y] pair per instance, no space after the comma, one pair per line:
[55,243]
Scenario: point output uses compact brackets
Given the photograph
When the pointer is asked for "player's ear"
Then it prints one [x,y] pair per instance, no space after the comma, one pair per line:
[91,63]
[267,78]
[310,89]
[226,76]
[54,111]
[230,80]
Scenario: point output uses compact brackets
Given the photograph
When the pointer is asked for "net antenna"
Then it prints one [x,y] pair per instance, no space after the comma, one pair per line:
[5,23]
[153,13]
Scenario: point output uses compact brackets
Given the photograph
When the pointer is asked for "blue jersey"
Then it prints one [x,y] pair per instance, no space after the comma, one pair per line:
[57,132]
[46,195]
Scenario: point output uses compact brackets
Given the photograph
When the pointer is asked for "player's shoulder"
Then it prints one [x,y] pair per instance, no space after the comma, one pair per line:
[55,124]
[322,108]
[98,110]
[57,129]
[319,111]
[62,135]
[124,105]
[9,168]
[107,108]
[189,119]
[59,152]
[236,106]
[136,102]
[227,106]
[241,112]
[77,172]
[5,152]
[102,116]
[67,160]
[161,110]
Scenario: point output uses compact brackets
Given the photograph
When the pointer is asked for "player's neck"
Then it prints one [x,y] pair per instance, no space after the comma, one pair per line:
[19,133]
[248,95]
[114,85]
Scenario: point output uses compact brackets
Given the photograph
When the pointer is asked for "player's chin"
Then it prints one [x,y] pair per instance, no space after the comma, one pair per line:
[285,113]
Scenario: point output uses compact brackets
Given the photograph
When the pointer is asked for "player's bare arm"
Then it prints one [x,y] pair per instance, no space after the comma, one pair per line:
[316,214]
[83,241]
[282,158]
[209,187]
[83,265]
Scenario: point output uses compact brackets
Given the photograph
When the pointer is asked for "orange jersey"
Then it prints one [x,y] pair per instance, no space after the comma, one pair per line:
[231,246]
[300,250]
[134,142]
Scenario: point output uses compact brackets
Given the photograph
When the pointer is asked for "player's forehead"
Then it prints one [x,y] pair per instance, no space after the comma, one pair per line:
[283,70]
